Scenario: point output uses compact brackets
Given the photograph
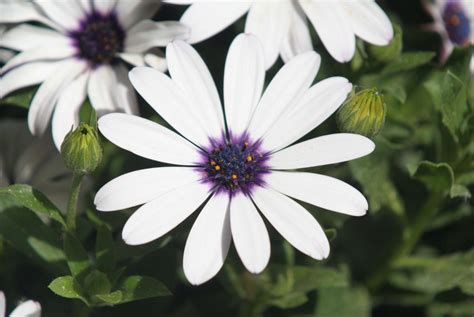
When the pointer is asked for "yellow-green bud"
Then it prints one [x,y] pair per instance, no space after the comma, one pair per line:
[362,113]
[81,149]
[390,51]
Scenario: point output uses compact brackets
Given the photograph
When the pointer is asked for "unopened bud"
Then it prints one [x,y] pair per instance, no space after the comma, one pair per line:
[362,113]
[81,149]
[390,51]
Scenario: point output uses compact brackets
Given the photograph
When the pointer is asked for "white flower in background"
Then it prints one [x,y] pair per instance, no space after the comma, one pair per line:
[232,164]
[25,159]
[282,27]
[454,21]
[26,309]
[80,55]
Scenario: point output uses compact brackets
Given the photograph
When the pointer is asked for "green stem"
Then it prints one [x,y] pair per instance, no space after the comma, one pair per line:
[72,203]
[411,235]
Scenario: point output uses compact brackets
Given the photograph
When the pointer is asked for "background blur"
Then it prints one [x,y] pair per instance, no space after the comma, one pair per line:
[374,269]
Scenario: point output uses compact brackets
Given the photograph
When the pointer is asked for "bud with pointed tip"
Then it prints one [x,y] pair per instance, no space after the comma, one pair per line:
[81,149]
[362,113]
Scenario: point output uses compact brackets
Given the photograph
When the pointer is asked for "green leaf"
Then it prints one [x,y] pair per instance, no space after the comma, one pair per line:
[141,287]
[407,61]
[27,233]
[34,200]
[448,94]
[437,177]
[105,250]
[290,300]
[21,98]
[342,302]
[434,275]
[67,287]
[456,309]
[311,278]
[96,283]
[373,173]
[111,298]
[77,257]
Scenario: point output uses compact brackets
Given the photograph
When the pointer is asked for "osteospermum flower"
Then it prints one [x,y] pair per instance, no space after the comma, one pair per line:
[25,159]
[454,21]
[79,55]
[232,164]
[282,27]
[26,309]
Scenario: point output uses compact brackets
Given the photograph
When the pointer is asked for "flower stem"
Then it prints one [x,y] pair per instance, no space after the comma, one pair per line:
[72,203]
[411,235]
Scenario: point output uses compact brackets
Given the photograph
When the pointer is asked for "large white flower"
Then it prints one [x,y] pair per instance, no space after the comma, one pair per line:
[26,309]
[80,55]
[238,162]
[25,159]
[454,21]
[282,27]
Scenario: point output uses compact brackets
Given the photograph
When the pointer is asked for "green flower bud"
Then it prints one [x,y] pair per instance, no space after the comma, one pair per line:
[390,51]
[81,149]
[362,113]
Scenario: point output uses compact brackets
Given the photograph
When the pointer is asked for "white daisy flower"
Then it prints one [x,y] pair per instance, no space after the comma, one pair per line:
[25,159]
[26,309]
[282,27]
[454,21]
[235,163]
[80,55]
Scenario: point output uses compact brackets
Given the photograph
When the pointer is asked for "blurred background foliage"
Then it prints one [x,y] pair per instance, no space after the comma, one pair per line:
[411,255]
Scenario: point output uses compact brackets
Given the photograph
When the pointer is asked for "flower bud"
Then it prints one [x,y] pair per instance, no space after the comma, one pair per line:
[362,113]
[81,149]
[390,51]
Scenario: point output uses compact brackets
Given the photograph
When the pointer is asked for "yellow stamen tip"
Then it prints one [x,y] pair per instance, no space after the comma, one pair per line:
[234,176]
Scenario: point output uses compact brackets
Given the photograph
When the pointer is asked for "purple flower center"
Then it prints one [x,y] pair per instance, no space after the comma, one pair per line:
[99,38]
[235,165]
[457,23]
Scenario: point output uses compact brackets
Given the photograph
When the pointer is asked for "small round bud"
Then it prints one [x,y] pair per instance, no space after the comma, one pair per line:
[390,51]
[81,149]
[362,113]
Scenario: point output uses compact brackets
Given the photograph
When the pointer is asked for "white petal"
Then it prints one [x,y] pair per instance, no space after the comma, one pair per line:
[148,34]
[109,90]
[131,12]
[249,234]
[188,70]
[284,91]
[139,187]
[148,139]
[104,6]
[125,96]
[206,19]
[67,14]
[159,216]
[66,114]
[170,102]
[47,95]
[328,149]
[26,36]
[319,190]
[27,309]
[2,304]
[298,39]
[51,51]
[316,105]
[270,22]
[244,76]
[22,11]
[332,27]
[368,21]
[208,241]
[293,222]
[156,58]
[26,75]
